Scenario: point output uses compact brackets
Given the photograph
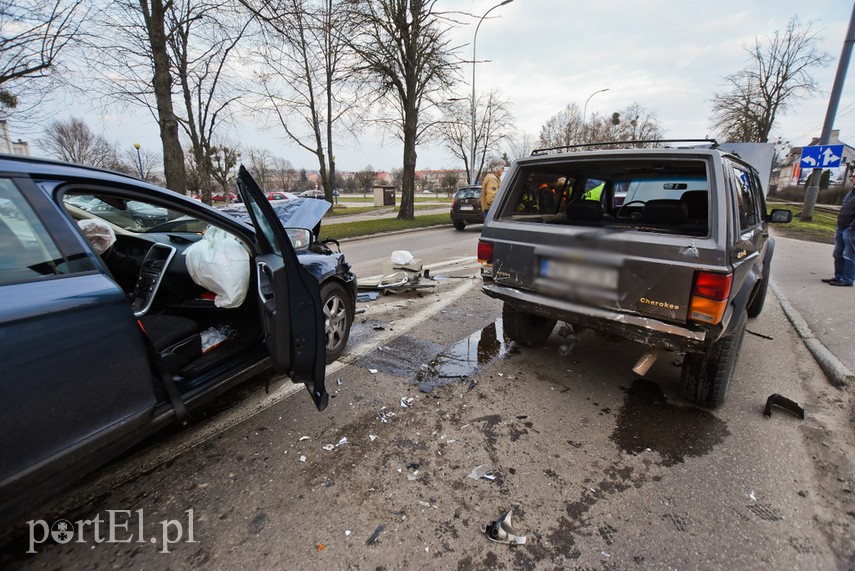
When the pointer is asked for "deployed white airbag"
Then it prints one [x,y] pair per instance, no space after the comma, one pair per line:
[220,263]
[99,234]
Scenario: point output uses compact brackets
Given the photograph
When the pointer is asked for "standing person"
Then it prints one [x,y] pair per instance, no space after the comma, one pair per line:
[491,184]
[844,242]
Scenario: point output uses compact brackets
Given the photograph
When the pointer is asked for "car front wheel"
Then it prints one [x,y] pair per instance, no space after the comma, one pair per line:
[525,328]
[338,317]
[706,377]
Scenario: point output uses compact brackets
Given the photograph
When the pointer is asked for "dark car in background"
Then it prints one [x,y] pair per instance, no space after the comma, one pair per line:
[674,253]
[108,333]
[466,207]
[313,194]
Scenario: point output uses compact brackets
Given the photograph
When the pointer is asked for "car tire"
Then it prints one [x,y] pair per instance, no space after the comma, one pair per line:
[524,328]
[706,377]
[338,318]
[459,224]
[756,306]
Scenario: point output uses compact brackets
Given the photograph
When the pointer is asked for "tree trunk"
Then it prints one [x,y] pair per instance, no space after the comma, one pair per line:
[408,175]
[173,155]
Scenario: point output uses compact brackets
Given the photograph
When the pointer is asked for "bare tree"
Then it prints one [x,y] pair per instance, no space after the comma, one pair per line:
[202,41]
[494,128]
[365,179]
[285,173]
[73,141]
[305,79]
[633,123]
[225,158]
[779,72]
[403,48]
[261,166]
[563,129]
[520,144]
[33,34]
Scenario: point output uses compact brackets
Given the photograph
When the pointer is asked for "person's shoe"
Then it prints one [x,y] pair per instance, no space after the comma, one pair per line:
[828,280]
[839,283]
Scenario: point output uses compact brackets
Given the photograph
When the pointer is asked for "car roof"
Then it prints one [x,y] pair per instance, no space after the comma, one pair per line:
[51,168]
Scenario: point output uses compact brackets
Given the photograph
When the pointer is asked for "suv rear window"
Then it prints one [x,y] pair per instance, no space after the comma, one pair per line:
[469,193]
[650,195]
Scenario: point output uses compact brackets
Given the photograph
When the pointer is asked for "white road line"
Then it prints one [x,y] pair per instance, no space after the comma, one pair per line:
[184,441]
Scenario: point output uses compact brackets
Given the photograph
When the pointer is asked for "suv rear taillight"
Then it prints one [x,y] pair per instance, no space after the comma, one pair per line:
[454,202]
[710,293]
[485,252]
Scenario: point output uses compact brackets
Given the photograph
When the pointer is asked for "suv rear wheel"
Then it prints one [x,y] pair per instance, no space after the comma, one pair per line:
[459,224]
[706,377]
[524,328]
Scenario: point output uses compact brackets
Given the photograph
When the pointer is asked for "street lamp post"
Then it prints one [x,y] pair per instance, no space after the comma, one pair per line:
[139,159]
[585,114]
[472,102]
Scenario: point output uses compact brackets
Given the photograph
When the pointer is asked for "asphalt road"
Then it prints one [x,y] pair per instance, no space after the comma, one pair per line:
[603,469]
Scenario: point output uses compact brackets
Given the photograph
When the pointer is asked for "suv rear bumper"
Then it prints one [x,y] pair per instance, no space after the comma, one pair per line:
[644,330]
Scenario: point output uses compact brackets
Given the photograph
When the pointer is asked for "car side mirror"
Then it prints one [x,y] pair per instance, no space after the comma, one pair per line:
[780,216]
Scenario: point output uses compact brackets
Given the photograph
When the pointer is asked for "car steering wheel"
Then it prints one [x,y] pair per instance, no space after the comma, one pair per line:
[634,215]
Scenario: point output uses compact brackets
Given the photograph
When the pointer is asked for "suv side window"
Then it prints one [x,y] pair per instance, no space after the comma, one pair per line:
[27,251]
[746,197]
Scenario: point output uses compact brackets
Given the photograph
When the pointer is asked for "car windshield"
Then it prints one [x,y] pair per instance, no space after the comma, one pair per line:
[647,195]
[129,215]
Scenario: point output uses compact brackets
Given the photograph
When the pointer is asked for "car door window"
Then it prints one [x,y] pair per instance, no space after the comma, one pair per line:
[27,250]
[744,193]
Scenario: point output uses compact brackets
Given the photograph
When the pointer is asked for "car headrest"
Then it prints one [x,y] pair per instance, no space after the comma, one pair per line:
[584,211]
[697,203]
[664,211]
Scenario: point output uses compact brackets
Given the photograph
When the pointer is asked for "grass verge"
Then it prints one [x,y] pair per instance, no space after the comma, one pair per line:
[380,226]
[822,228]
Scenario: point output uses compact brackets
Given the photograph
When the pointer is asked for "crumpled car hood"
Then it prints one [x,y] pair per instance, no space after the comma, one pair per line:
[293,213]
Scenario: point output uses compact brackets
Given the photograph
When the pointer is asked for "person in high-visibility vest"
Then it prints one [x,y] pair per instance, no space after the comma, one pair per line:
[594,193]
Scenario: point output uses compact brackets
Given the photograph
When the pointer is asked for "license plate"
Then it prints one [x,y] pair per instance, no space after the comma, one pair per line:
[467,207]
[580,274]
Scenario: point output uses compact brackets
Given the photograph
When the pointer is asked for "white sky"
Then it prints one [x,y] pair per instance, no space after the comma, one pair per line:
[669,56]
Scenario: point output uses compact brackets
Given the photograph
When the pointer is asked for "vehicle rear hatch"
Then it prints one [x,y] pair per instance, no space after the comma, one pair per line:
[468,200]
[635,248]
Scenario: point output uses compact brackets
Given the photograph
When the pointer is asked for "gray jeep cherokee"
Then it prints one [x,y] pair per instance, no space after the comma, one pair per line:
[667,247]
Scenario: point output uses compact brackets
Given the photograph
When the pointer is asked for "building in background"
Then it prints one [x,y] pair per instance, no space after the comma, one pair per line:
[10,147]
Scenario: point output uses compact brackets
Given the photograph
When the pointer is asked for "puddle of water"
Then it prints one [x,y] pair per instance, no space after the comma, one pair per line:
[465,357]
[402,357]
[647,420]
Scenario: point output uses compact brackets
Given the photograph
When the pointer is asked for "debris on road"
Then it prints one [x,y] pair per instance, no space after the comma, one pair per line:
[302,458]
[482,471]
[372,371]
[502,531]
[406,402]
[373,539]
[367,296]
[371,438]
[783,403]
[302,438]
[385,416]
[425,388]
[328,447]
[341,442]
[338,381]
[759,335]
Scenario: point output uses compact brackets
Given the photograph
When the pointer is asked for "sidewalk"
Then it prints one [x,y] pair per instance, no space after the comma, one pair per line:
[384,213]
[828,311]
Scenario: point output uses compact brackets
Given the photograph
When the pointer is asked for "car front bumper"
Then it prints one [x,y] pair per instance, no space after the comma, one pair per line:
[644,330]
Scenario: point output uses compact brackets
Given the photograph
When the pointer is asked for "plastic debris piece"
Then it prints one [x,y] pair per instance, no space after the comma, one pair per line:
[490,477]
[302,458]
[783,403]
[347,533]
[406,402]
[478,472]
[385,416]
[338,381]
[341,442]
[372,371]
[359,311]
[424,504]
[374,536]
[413,465]
[321,547]
[302,438]
[752,497]
[502,531]
[759,335]
[367,296]
[328,447]
[372,438]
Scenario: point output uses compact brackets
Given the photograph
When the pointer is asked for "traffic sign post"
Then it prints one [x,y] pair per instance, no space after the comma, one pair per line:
[821,157]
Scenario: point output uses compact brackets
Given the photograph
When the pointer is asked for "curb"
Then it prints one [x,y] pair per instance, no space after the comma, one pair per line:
[837,373]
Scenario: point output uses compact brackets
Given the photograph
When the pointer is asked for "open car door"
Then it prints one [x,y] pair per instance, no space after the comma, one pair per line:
[289,298]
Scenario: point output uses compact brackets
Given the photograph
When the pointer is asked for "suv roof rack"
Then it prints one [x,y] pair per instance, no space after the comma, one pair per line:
[547,150]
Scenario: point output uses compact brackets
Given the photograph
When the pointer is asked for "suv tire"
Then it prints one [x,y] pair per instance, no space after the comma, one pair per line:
[524,328]
[756,305]
[459,224]
[338,317]
[706,377]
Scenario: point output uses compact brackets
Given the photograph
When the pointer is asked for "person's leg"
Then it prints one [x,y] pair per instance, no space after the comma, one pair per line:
[838,254]
[848,273]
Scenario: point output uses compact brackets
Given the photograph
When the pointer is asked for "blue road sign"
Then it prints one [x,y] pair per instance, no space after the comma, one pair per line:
[821,157]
